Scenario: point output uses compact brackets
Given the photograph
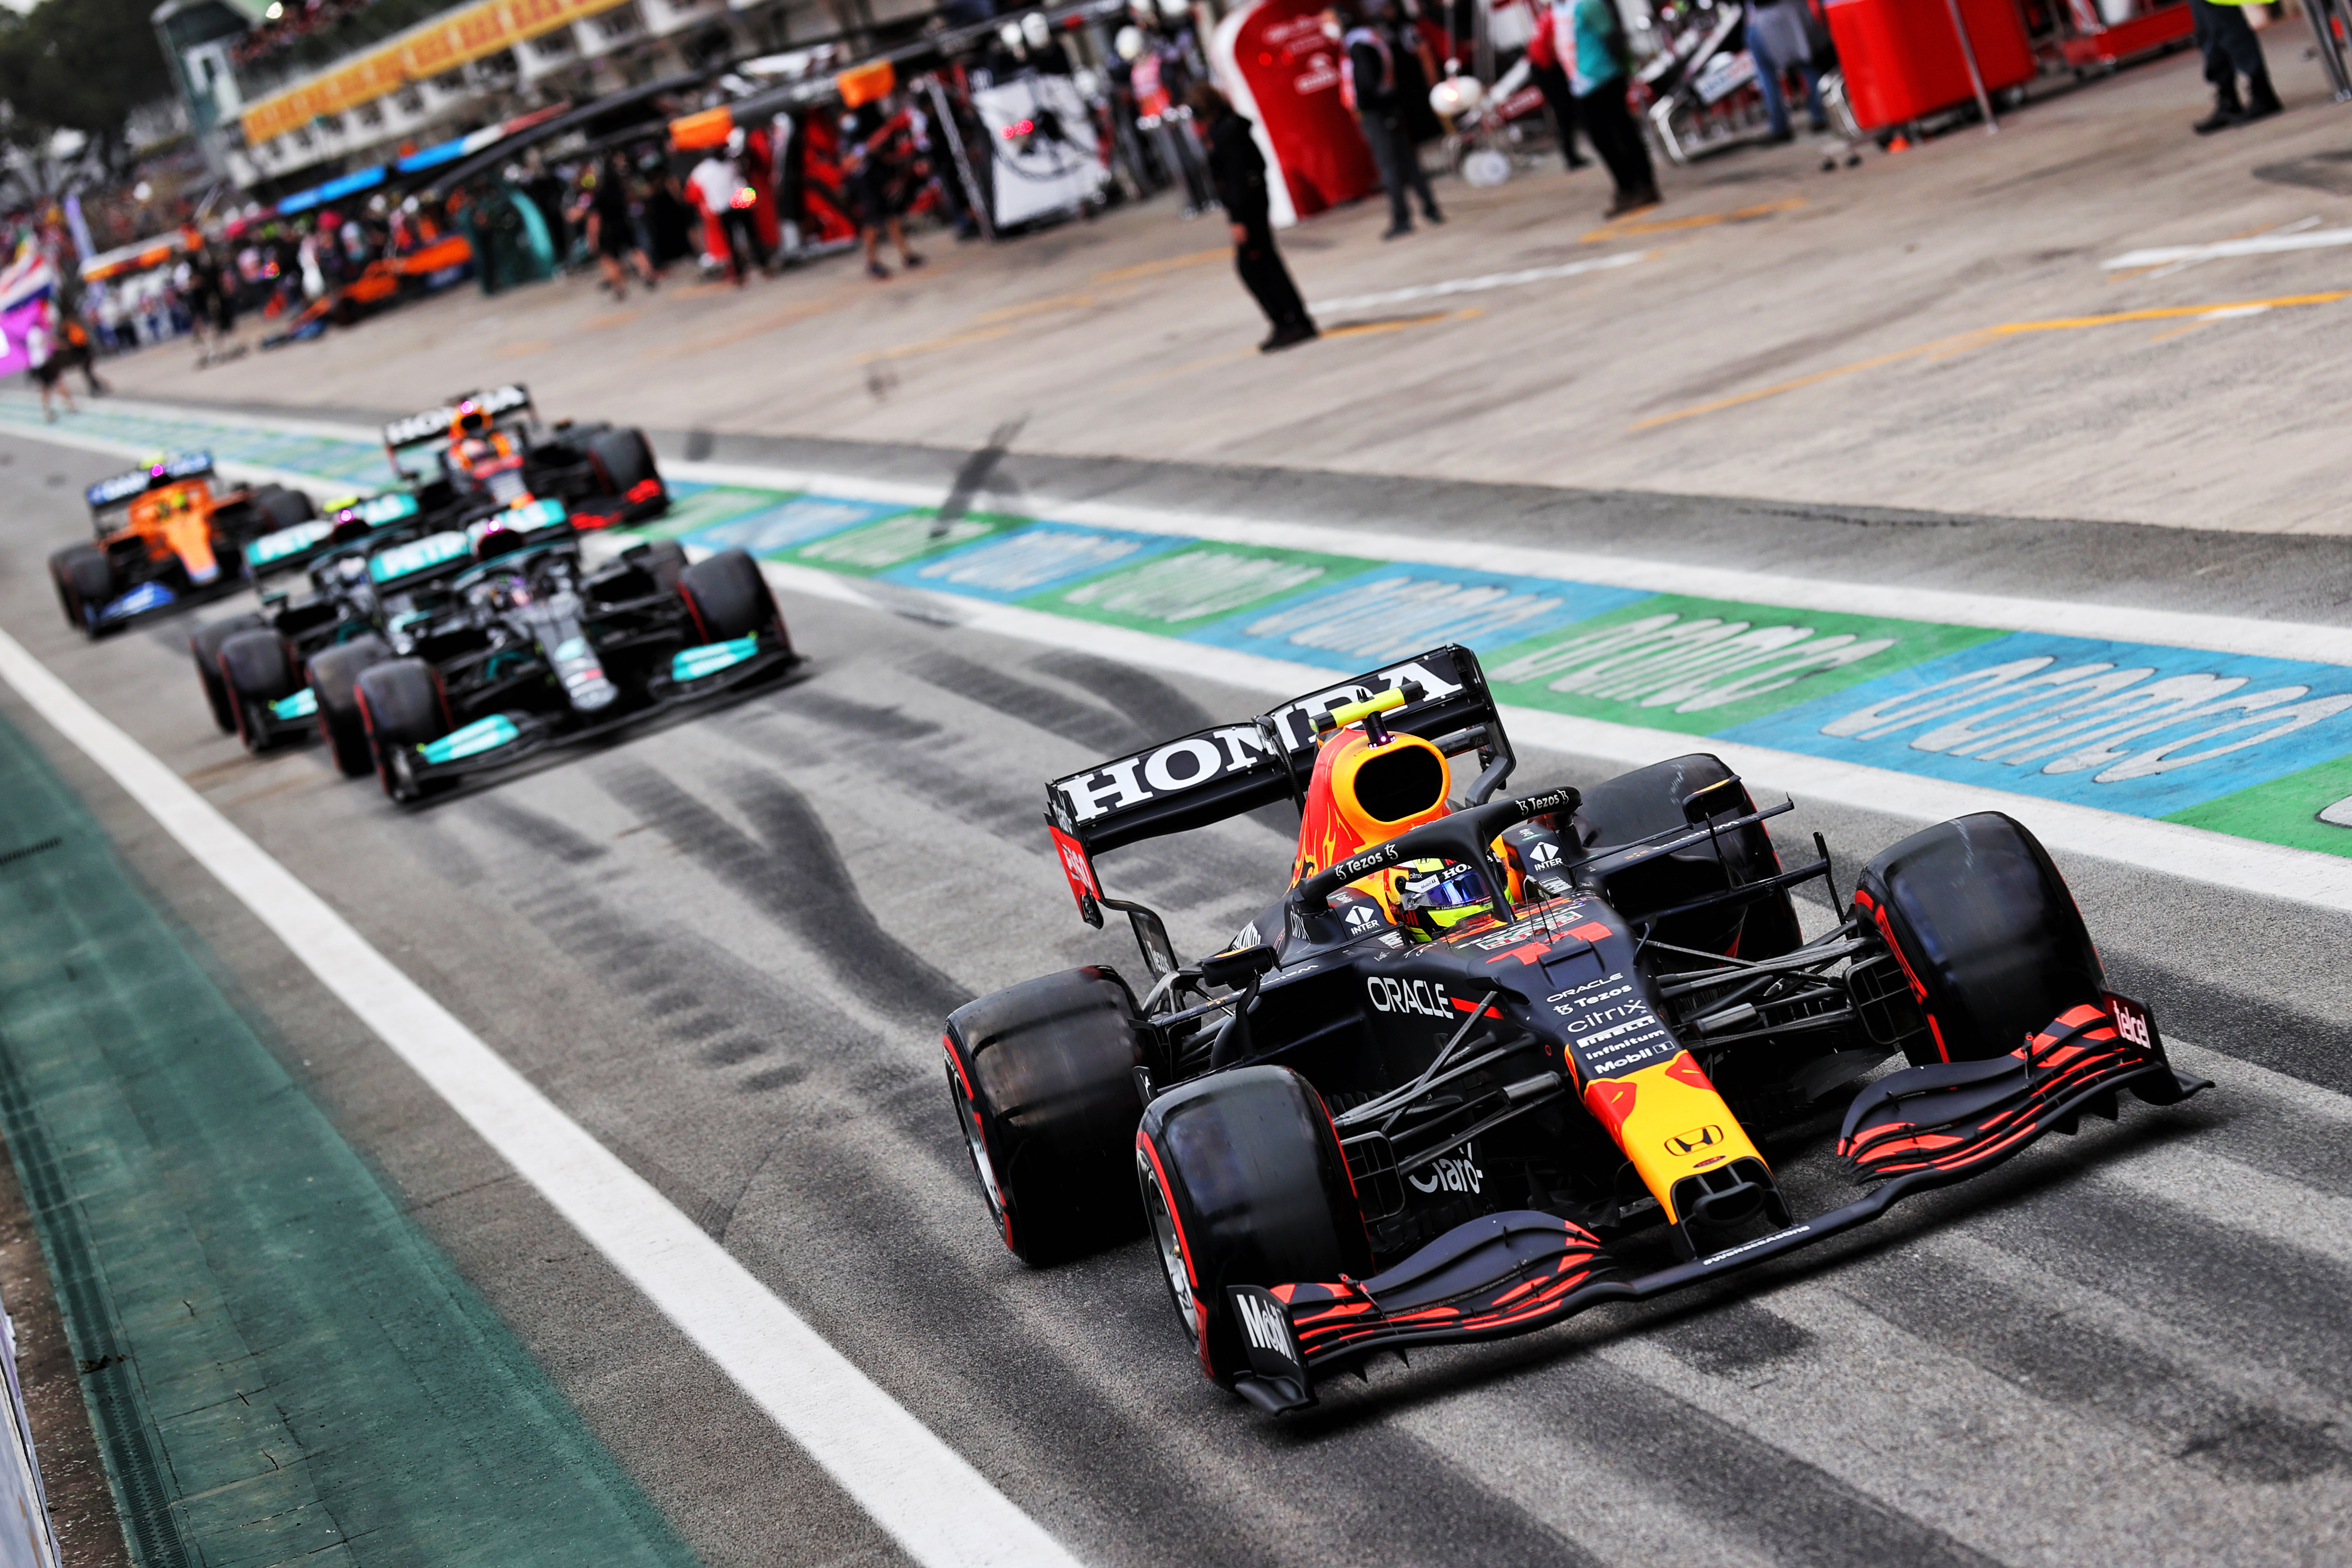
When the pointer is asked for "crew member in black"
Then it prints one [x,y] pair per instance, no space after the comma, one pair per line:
[1238,171]
[1375,88]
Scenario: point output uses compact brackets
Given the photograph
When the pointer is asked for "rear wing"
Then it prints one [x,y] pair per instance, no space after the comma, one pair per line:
[107,494]
[432,424]
[1216,774]
[289,549]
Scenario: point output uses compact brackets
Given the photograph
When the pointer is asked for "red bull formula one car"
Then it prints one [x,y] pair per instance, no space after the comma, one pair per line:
[487,451]
[1489,1062]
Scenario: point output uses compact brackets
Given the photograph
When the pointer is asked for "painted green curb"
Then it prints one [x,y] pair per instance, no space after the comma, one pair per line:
[2284,811]
[279,1364]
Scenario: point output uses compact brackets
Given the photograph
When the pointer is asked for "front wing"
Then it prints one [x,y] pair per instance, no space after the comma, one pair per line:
[504,738]
[1509,1274]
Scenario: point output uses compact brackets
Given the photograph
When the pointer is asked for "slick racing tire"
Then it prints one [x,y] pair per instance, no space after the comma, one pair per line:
[85,581]
[1042,1079]
[282,508]
[206,647]
[726,597]
[400,705]
[1244,1184]
[256,672]
[334,674]
[1987,933]
[621,460]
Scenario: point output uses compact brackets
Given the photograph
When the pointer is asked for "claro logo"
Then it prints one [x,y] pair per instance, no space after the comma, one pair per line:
[1692,1141]
[1391,994]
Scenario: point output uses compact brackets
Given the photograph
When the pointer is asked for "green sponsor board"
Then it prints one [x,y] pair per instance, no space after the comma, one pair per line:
[1702,666]
[896,541]
[2285,810]
[1190,587]
[703,507]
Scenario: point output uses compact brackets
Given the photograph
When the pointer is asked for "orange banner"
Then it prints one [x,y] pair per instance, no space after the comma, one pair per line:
[463,35]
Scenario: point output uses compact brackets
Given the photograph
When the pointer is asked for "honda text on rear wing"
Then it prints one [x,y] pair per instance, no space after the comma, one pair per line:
[429,427]
[1216,774]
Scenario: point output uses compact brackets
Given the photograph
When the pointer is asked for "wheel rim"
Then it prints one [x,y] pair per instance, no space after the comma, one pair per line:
[1170,1247]
[976,1144]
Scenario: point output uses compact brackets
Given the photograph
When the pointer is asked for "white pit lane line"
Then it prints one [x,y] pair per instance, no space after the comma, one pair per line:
[940,1510]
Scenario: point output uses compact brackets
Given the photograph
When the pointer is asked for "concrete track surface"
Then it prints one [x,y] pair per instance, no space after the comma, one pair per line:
[724,947]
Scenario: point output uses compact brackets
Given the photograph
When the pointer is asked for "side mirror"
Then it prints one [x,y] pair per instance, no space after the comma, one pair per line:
[1237,967]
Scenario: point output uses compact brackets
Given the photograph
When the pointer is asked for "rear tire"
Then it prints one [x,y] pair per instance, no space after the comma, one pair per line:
[726,597]
[1243,1183]
[334,674]
[205,646]
[1987,933]
[1043,1078]
[282,508]
[401,704]
[256,672]
[85,581]
[621,461]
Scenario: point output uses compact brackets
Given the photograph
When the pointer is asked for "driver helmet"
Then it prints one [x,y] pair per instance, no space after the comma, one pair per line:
[1438,898]
[470,420]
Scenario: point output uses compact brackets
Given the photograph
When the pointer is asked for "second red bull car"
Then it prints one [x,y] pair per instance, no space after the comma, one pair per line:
[1490,1061]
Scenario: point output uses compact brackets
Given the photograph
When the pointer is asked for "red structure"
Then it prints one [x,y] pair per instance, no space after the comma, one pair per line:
[1274,61]
[1903,59]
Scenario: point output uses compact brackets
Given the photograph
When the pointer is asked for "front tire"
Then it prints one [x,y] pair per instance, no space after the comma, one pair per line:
[85,581]
[726,597]
[334,674]
[256,672]
[1042,1079]
[1243,1183]
[1987,933]
[206,647]
[402,706]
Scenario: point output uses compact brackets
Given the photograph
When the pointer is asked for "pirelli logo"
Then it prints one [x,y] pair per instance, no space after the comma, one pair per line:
[1681,1145]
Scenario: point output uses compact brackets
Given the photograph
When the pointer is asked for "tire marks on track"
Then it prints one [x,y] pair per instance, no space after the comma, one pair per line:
[798,879]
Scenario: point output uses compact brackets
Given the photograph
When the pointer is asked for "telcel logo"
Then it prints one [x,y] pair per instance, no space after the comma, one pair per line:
[1692,1141]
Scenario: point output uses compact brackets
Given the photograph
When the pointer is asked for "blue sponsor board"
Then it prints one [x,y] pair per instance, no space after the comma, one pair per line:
[794,520]
[1033,560]
[1388,613]
[2122,726]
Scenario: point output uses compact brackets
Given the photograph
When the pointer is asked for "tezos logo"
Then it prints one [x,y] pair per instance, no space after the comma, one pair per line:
[1391,994]
[1692,1141]
[1451,1175]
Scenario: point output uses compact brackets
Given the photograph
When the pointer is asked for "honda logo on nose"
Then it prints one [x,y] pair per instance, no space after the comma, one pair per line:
[1692,1141]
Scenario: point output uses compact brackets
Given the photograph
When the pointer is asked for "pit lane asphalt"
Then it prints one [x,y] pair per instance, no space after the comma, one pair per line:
[724,947]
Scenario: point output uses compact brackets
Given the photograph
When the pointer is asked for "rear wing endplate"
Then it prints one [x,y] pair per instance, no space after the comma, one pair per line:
[1215,773]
